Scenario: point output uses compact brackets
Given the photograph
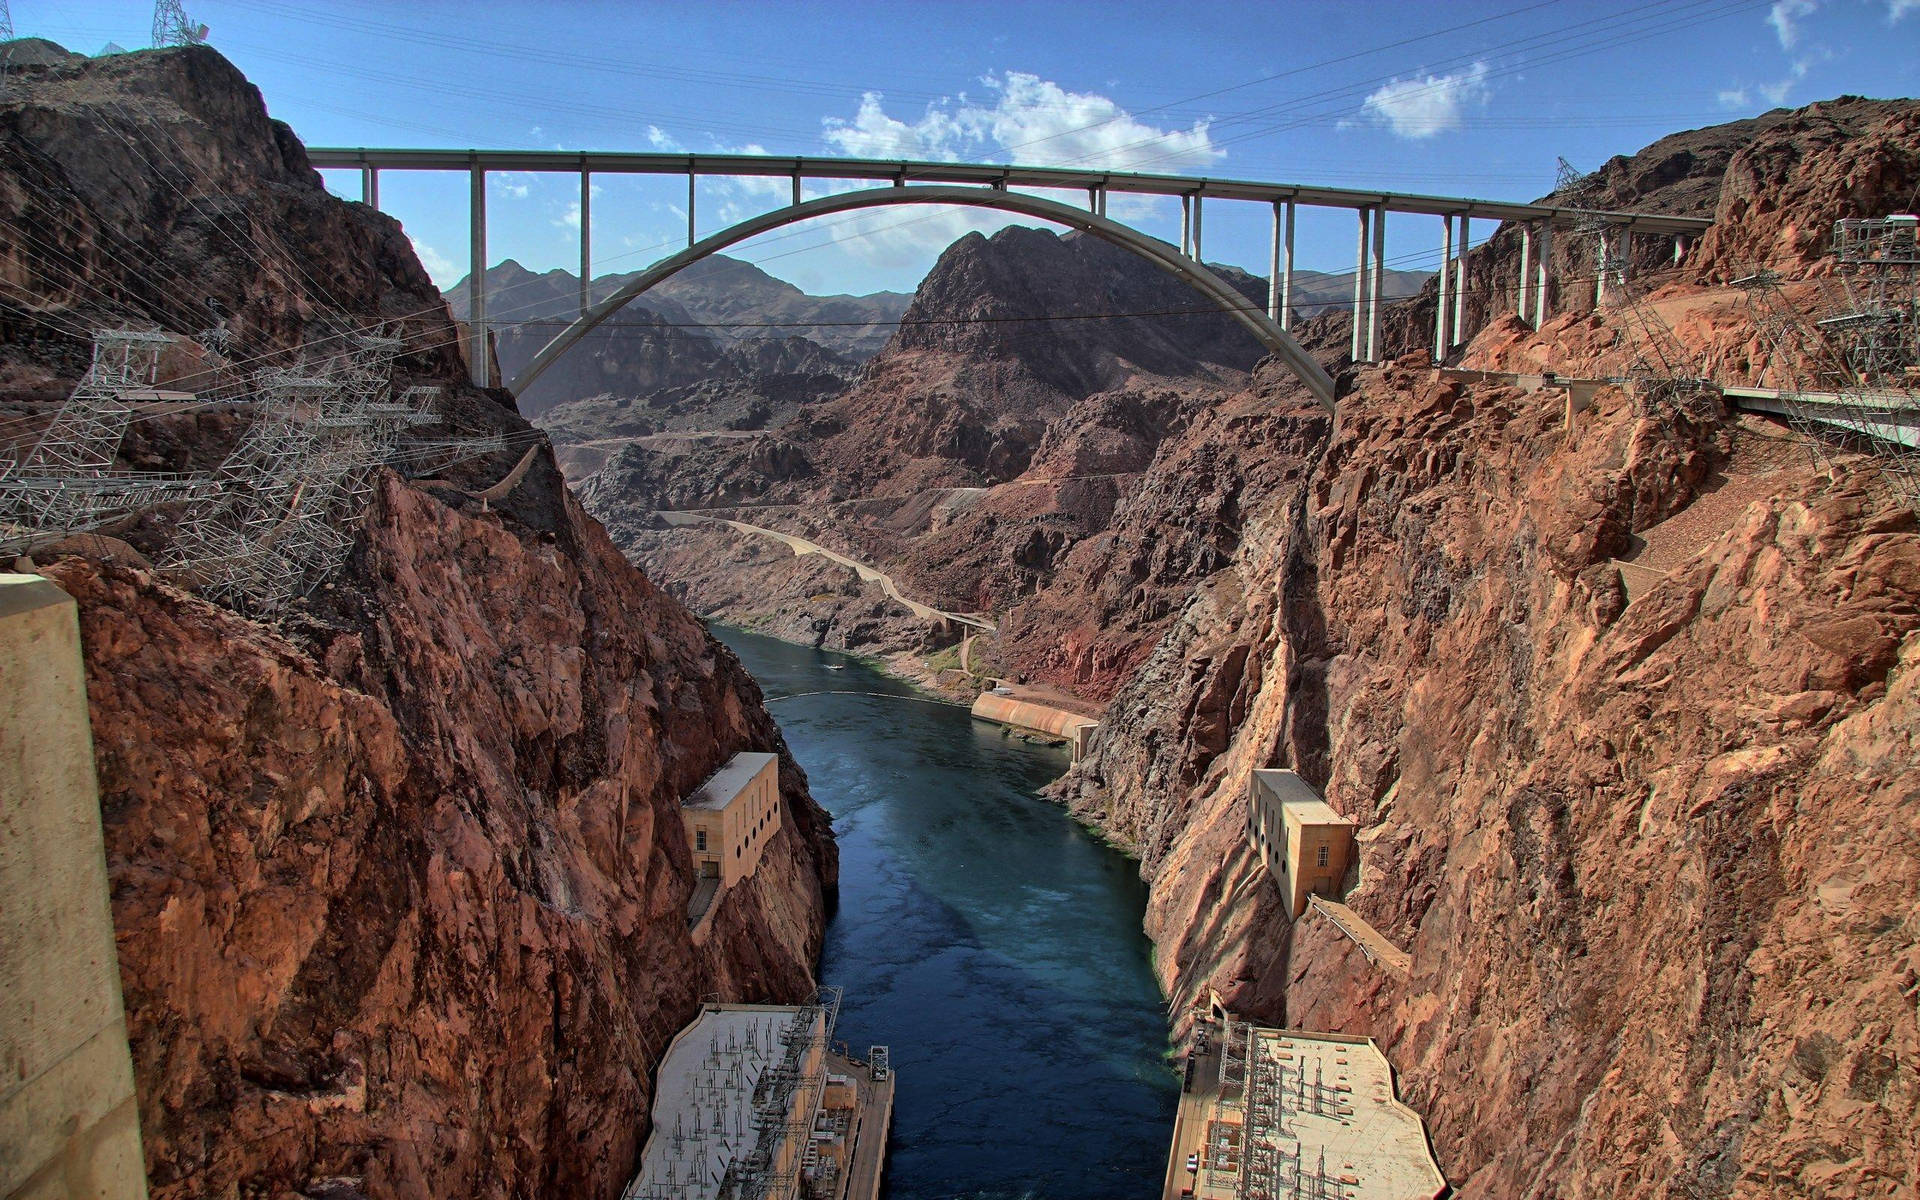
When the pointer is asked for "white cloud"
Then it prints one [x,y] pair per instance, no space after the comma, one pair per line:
[1734,97]
[1785,17]
[439,267]
[1776,93]
[1038,121]
[1900,8]
[569,217]
[517,184]
[661,140]
[1024,119]
[1021,118]
[874,134]
[1431,104]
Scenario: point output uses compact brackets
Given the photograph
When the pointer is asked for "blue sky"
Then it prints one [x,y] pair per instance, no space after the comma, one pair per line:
[1445,97]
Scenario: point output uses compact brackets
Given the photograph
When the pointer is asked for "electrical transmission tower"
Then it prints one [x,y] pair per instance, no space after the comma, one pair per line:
[1863,360]
[6,22]
[68,480]
[172,27]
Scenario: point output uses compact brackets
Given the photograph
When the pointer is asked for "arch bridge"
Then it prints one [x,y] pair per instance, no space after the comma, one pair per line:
[987,185]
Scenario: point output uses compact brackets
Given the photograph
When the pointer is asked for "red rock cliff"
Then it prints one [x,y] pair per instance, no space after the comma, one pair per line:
[1654,857]
[399,882]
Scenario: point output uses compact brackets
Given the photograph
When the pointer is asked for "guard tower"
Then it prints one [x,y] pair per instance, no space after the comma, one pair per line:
[1302,840]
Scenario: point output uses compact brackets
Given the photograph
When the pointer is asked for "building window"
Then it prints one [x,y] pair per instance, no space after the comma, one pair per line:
[1322,856]
[699,839]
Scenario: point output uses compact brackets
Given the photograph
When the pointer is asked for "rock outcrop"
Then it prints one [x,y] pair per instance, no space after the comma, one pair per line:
[1654,861]
[399,880]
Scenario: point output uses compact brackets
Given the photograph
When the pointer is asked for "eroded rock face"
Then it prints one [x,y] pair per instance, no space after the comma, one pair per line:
[1655,862]
[406,910]
[399,881]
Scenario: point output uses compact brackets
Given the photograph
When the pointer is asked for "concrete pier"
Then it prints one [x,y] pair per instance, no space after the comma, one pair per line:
[1075,729]
[586,240]
[69,1124]
[1378,282]
[477,274]
[1359,288]
[1541,308]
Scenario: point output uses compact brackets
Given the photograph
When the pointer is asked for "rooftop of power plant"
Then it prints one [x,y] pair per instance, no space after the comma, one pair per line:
[1279,1114]
[724,785]
[725,1097]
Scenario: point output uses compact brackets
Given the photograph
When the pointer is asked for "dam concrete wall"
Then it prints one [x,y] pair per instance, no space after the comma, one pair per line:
[69,1127]
[1071,727]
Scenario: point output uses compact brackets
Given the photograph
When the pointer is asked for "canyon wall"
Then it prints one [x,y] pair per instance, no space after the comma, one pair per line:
[399,880]
[1651,847]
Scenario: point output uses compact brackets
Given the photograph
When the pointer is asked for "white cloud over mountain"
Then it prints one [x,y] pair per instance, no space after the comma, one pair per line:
[1428,105]
[1021,118]
[1024,119]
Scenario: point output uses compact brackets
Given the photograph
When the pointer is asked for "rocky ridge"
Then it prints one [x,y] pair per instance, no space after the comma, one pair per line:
[1652,857]
[398,880]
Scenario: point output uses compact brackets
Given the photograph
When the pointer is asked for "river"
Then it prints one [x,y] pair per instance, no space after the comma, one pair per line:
[991,943]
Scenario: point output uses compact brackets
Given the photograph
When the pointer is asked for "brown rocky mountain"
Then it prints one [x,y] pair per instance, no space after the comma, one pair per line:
[1032,378]
[1653,854]
[660,358]
[398,879]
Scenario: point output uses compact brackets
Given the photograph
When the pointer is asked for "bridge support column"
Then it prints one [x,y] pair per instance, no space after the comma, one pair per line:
[1526,272]
[1460,286]
[1600,276]
[1273,269]
[1441,281]
[1681,244]
[1286,274]
[1379,280]
[370,186]
[691,180]
[586,240]
[1359,288]
[796,187]
[1186,224]
[477,273]
[1197,200]
[1542,273]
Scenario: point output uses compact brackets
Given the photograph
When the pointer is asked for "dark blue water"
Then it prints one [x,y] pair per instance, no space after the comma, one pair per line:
[985,938]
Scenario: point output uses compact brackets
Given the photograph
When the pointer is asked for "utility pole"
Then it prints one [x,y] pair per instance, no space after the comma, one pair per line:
[172,27]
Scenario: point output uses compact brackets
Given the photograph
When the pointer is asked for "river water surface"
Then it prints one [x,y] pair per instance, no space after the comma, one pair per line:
[986,939]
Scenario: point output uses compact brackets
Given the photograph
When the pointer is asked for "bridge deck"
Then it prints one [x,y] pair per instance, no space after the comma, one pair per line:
[984,174]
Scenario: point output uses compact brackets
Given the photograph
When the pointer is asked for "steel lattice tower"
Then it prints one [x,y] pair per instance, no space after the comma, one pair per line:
[172,27]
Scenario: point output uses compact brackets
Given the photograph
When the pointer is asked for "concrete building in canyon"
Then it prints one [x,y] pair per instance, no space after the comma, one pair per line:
[729,820]
[1303,842]
[757,1100]
[1284,1114]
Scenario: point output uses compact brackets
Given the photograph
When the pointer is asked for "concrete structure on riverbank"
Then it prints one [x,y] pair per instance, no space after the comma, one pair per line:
[69,1125]
[1298,836]
[755,1100]
[1283,1114]
[1003,707]
[729,820]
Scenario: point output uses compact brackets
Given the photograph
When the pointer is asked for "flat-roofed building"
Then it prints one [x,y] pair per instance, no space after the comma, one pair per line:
[1306,845]
[752,1100]
[1273,1114]
[730,817]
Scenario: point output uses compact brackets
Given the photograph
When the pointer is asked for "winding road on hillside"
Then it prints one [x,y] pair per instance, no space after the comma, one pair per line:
[802,547]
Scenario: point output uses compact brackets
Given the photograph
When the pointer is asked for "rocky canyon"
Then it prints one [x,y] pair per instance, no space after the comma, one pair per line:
[398,878]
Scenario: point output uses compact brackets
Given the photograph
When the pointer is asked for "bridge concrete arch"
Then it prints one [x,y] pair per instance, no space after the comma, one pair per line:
[1167,258]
